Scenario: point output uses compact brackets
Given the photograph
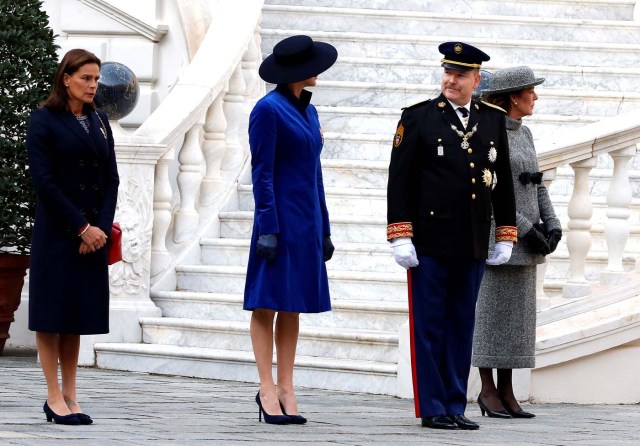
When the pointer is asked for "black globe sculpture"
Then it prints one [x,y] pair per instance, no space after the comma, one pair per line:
[118,90]
[484,84]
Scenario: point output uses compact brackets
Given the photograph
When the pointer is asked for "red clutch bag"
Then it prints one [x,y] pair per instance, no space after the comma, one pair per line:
[115,244]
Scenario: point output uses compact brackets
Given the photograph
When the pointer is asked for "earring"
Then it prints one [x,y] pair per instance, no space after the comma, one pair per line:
[66,85]
[515,103]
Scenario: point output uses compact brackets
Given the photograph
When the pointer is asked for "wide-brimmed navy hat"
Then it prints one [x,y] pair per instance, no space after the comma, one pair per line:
[297,58]
[461,56]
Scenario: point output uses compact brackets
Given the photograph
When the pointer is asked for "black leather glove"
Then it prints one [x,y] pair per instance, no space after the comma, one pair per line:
[554,238]
[537,241]
[267,246]
[327,248]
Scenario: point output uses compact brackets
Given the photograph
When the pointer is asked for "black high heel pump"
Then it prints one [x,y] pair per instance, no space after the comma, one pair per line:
[294,419]
[517,413]
[72,418]
[492,413]
[84,418]
[270,419]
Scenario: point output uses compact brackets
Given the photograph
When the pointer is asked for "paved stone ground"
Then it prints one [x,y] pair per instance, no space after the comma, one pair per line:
[143,409]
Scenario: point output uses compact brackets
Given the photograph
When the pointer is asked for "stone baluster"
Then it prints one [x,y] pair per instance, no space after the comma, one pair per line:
[580,212]
[233,106]
[213,147]
[162,193]
[250,63]
[189,180]
[542,300]
[617,227]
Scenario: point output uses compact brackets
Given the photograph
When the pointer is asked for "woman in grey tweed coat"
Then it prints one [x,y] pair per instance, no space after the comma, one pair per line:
[504,336]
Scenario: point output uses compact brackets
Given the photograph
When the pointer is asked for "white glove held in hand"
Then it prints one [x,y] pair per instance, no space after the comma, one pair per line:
[501,253]
[404,252]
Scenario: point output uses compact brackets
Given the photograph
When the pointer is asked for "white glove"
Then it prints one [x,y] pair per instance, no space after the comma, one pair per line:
[404,252]
[501,253]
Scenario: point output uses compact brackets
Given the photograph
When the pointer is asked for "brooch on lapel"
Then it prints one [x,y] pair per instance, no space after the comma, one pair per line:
[102,127]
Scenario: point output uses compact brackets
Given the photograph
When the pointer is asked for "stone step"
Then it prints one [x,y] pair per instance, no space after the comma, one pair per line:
[514,51]
[353,314]
[321,373]
[411,71]
[362,146]
[349,229]
[452,22]
[371,121]
[344,201]
[590,9]
[397,95]
[334,342]
[342,284]
[347,256]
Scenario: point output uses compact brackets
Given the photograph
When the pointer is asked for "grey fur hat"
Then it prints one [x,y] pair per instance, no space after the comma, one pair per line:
[511,79]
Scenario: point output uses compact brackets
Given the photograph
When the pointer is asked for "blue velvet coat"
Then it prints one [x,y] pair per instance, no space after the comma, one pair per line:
[286,141]
[76,181]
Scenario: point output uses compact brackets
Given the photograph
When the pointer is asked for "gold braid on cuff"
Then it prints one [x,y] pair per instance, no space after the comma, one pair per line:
[397,230]
[507,234]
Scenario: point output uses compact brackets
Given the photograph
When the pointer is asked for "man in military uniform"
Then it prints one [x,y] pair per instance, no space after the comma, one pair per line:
[449,176]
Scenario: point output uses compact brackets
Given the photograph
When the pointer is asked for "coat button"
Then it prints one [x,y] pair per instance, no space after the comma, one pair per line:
[431,213]
[473,196]
[470,151]
[472,165]
[473,181]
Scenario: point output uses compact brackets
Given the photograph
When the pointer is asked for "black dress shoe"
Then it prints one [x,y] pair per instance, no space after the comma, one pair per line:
[439,422]
[464,422]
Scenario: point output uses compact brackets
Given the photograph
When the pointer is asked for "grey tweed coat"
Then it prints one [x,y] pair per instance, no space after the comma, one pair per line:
[505,328]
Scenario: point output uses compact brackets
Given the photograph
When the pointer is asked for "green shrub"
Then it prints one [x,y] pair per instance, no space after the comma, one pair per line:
[27,62]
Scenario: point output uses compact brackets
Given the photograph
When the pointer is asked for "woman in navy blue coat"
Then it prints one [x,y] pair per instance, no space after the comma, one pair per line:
[73,166]
[291,235]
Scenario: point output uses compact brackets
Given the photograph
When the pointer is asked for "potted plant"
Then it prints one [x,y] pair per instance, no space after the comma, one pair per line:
[27,62]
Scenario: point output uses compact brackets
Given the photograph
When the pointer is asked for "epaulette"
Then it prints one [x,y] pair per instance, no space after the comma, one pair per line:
[494,106]
[416,105]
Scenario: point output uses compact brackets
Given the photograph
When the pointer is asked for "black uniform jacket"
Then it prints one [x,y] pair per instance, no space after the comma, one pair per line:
[444,195]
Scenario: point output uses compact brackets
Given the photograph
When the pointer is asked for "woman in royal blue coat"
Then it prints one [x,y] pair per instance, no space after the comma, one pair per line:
[73,166]
[291,235]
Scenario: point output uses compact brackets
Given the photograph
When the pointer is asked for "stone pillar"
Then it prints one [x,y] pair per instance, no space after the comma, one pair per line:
[130,278]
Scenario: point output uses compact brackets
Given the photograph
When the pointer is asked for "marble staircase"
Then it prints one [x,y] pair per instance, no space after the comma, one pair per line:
[388,59]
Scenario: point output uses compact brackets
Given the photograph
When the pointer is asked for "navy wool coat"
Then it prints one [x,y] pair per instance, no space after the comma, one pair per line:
[286,141]
[76,181]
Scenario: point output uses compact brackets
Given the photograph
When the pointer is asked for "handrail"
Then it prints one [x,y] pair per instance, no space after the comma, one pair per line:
[589,141]
[233,23]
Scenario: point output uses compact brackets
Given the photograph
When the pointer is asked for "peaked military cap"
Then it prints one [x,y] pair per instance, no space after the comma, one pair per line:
[461,56]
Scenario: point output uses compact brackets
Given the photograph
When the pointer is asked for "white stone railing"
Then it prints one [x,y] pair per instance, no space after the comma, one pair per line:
[202,124]
[616,137]
[182,164]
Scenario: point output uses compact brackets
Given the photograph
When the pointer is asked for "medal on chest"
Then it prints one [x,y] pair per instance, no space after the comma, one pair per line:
[465,136]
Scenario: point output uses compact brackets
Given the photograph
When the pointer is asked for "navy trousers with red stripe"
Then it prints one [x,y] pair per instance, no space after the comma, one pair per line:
[442,302]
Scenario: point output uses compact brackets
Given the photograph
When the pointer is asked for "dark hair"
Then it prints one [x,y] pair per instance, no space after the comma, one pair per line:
[70,63]
[503,100]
